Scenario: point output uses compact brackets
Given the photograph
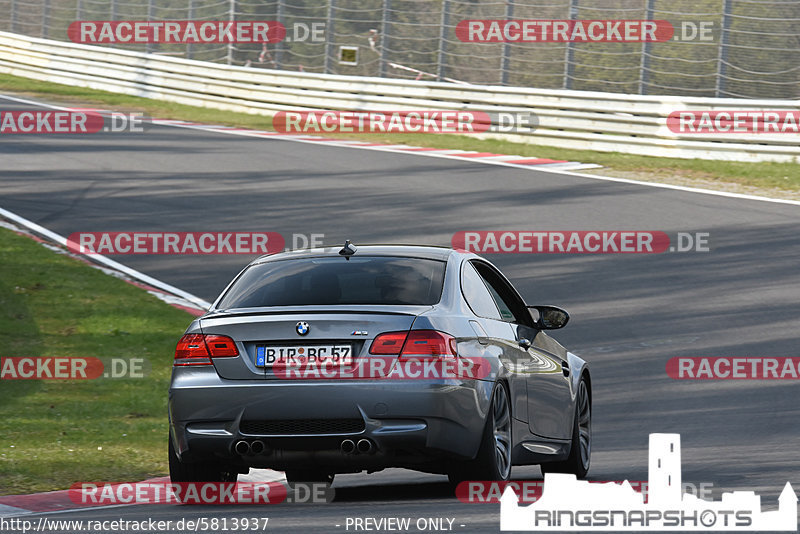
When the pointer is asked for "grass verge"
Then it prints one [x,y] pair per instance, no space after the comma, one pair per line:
[54,433]
[780,180]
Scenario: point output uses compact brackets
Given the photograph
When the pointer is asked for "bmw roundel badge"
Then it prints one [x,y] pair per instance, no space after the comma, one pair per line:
[302,328]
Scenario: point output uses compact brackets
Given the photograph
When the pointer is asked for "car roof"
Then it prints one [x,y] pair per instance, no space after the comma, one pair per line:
[406,251]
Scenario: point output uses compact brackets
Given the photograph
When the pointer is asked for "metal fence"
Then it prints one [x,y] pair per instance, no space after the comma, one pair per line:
[753,52]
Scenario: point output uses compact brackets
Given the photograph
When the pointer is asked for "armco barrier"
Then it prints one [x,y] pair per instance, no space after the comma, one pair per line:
[570,119]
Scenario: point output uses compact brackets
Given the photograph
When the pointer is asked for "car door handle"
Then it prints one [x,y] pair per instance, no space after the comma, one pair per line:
[565,367]
[524,343]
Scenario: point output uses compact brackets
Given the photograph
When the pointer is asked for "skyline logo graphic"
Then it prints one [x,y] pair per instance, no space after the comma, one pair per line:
[568,504]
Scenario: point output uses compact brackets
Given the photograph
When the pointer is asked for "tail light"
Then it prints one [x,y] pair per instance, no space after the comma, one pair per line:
[198,349]
[415,343]
[221,346]
[388,344]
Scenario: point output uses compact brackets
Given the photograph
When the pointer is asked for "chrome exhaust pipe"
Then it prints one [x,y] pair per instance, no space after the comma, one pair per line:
[257,447]
[242,448]
[348,446]
[364,446]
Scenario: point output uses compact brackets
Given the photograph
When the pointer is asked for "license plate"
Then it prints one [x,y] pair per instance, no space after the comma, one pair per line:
[267,356]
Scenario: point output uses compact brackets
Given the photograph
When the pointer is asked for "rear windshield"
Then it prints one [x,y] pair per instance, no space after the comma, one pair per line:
[328,281]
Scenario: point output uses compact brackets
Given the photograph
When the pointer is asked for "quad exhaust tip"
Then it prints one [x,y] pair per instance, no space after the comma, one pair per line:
[363,446]
[242,447]
[257,447]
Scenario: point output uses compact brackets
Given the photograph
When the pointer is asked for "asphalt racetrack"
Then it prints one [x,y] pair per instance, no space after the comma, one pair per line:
[630,312]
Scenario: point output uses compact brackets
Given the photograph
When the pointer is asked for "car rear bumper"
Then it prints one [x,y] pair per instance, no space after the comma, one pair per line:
[408,422]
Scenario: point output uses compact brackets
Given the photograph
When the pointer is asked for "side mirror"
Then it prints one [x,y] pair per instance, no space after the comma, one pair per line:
[549,317]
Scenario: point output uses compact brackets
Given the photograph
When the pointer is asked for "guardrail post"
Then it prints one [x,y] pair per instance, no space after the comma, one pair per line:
[722,54]
[644,65]
[231,18]
[569,56]
[329,37]
[506,60]
[45,19]
[12,22]
[443,39]
[279,46]
[150,12]
[384,42]
[190,16]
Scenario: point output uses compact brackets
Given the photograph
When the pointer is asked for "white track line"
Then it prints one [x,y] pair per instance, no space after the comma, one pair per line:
[435,154]
[22,512]
[679,188]
[10,511]
[102,260]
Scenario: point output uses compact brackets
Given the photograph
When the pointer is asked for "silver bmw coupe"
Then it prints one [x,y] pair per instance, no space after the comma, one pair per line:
[339,360]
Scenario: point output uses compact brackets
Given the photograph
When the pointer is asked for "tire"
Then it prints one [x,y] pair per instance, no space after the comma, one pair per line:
[308,476]
[198,472]
[580,453]
[493,461]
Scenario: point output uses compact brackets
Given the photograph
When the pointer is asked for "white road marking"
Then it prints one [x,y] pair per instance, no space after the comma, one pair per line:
[436,154]
[107,262]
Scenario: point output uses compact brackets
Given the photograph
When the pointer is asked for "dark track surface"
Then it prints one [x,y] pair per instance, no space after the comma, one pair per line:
[630,313]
